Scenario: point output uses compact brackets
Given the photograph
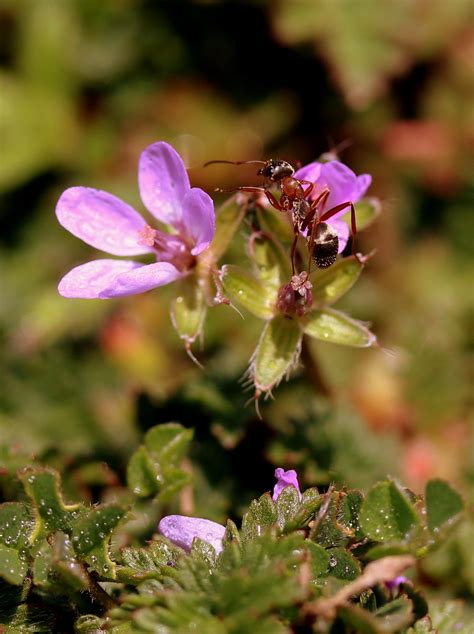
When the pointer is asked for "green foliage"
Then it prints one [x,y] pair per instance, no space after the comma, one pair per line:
[154,467]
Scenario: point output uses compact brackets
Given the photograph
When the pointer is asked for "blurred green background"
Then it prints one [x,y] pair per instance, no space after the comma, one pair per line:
[85,85]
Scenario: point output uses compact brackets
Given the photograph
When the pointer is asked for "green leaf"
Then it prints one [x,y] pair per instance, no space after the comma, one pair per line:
[42,485]
[335,327]
[146,563]
[243,287]
[331,284]
[154,467]
[358,619]
[13,567]
[91,536]
[396,615]
[387,514]
[443,503]
[287,505]
[319,559]
[188,310]
[16,525]
[342,564]
[261,514]
[277,352]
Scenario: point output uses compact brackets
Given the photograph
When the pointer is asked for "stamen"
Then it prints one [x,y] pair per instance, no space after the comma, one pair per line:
[147,236]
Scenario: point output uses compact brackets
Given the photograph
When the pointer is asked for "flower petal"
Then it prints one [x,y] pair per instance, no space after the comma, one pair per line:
[342,229]
[310,172]
[141,279]
[101,220]
[181,531]
[163,182]
[198,219]
[341,181]
[87,281]
[363,183]
[285,479]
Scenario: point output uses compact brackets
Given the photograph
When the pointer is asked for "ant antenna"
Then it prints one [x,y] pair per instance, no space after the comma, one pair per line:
[235,162]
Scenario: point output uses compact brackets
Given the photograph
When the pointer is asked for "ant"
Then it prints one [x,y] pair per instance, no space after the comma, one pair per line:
[306,215]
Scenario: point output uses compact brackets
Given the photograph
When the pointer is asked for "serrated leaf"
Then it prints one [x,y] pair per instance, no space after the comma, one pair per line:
[335,327]
[91,535]
[261,514]
[146,563]
[331,284]
[245,289]
[443,504]
[16,525]
[342,564]
[319,559]
[188,310]
[42,485]
[13,567]
[387,515]
[277,352]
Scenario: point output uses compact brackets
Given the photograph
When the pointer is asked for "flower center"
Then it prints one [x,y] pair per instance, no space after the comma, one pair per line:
[168,248]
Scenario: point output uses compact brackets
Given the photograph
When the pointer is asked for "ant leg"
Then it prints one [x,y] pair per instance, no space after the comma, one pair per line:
[332,212]
[310,188]
[240,189]
[293,252]
[314,205]
[234,162]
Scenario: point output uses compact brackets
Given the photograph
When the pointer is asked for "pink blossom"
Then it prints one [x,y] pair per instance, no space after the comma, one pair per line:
[111,225]
[344,186]
[285,479]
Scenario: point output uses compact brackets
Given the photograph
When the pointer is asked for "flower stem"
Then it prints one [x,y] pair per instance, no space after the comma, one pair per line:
[313,371]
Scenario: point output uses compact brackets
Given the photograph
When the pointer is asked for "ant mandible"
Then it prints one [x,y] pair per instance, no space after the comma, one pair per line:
[307,216]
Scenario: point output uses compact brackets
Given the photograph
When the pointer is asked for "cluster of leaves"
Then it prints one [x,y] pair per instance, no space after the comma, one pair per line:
[320,561]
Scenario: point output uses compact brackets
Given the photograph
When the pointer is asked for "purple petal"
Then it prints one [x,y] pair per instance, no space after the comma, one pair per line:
[310,172]
[394,584]
[101,220]
[198,219]
[285,479]
[141,279]
[342,229]
[363,183]
[181,531]
[341,181]
[89,280]
[163,183]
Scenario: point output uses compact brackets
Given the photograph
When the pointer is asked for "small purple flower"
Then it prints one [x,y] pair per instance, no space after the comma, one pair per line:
[285,479]
[181,531]
[395,583]
[107,223]
[344,187]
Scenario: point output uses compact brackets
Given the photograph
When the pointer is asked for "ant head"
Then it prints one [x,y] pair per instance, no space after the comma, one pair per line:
[275,170]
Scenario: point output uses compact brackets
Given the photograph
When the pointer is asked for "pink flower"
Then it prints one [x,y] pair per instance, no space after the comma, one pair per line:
[285,479]
[344,187]
[182,530]
[107,223]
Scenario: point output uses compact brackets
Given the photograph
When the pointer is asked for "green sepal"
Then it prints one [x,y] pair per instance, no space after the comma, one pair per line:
[271,264]
[245,289]
[188,310]
[333,326]
[277,352]
[228,219]
[443,504]
[154,468]
[91,535]
[387,515]
[332,283]
[367,210]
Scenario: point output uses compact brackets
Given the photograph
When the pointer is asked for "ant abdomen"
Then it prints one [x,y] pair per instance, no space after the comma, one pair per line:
[325,245]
